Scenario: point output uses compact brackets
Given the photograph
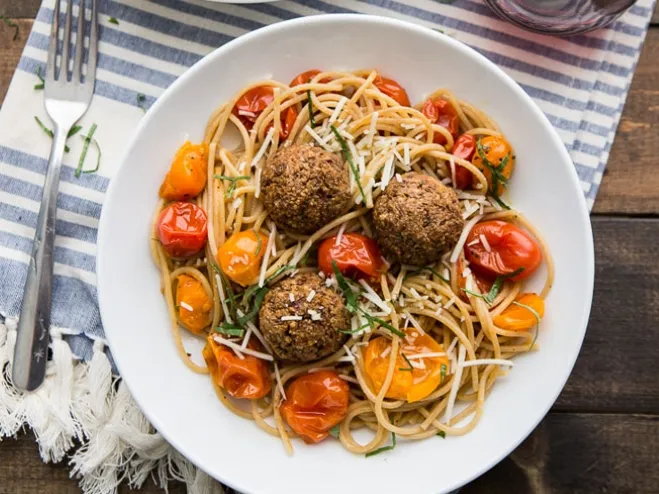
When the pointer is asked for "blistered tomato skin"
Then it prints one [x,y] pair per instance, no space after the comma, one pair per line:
[182,229]
[187,174]
[240,256]
[355,255]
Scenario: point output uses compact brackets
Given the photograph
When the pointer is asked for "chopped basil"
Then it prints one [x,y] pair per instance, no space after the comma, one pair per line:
[354,331]
[74,130]
[537,318]
[312,121]
[98,155]
[408,369]
[498,178]
[385,448]
[498,282]
[348,157]
[349,294]
[441,434]
[42,84]
[334,431]
[141,99]
[233,181]
[11,23]
[230,330]
[442,373]
[85,147]
[113,20]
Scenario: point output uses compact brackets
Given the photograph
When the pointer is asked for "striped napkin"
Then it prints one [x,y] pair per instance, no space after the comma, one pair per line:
[580,82]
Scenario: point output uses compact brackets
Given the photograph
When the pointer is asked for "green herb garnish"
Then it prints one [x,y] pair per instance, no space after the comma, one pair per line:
[113,20]
[441,434]
[442,373]
[354,331]
[350,295]
[498,282]
[334,431]
[425,268]
[98,155]
[141,99]
[497,173]
[348,156]
[42,84]
[247,294]
[10,23]
[85,147]
[74,130]
[230,297]
[385,448]
[312,121]
[230,330]
[408,369]
[376,320]
[233,181]
[537,318]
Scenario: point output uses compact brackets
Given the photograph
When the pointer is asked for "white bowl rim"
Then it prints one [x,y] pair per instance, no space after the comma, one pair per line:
[467,51]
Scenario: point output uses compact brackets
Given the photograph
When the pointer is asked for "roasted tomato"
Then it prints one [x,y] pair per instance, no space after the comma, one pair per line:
[510,249]
[240,256]
[252,103]
[519,318]
[392,89]
[441,112]
[495,149]
[315,403]
[464,147]
[355,255]
[304,77]
[182,229]
[193,303]
[187,175]
[241,378]
[410,382]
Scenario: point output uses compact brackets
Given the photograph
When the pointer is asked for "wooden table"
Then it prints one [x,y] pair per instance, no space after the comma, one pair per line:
[603,433]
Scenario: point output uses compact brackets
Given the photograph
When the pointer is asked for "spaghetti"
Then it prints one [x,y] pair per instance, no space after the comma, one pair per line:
[425,344]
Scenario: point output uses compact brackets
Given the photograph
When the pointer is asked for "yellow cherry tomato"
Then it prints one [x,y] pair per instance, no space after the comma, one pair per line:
[240,256]
[187,175]
[495,149]
[194,304]
[518,318]
[409,382]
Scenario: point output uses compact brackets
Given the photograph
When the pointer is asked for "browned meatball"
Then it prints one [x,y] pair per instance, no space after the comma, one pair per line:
[305,187]
[417,219]
[316,334]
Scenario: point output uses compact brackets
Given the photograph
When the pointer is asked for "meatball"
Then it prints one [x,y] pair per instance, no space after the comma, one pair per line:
[417,219]
[323,314]
[305,187]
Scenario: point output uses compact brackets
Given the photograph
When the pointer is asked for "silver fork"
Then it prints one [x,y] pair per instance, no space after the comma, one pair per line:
[66,102]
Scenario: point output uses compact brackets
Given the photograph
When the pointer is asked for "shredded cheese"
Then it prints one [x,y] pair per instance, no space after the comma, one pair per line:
[311,295]
[339,235]
[485,243]
[290,318]
[266,142]
[425,355]
[186,306]
[337,109]
[266,256]
[225,308]
[463,238]
[371,296]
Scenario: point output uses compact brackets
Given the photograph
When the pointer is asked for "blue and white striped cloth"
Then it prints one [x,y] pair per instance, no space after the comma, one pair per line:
[580,82]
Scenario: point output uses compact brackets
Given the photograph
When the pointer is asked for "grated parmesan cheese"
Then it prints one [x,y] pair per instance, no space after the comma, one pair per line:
[425,355]
[290,318]
[315,315]
[463,238]
[311,295]
[371,296]
[291,297]
[225,308]
[337,109]
[263,148]
[485,243]
[339,235]
[247,351]
[266,256]
[186,306]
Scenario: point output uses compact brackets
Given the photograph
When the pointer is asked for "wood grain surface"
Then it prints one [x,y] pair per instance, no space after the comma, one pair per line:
[602,435]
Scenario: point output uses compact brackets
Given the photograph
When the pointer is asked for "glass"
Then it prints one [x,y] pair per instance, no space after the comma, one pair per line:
[562,17]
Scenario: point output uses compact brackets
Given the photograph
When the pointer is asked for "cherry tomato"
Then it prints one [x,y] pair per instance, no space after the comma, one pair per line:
[194,304]
[392,89]
[355,255]
[408,383]
[511,248]
[182,229]
[250,105]
[464,147]
[240,256]
[242,378]
[315,403]
[187,175]
[304,77]
[495,150]
[441,112]
[518,318]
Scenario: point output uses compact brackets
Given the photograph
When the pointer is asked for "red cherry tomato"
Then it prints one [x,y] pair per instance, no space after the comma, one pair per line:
[355,255]
[182,229]
[250,105]
[441,112]
[464,148]
[392,89]
[315,403]
[304,77]
[511,248]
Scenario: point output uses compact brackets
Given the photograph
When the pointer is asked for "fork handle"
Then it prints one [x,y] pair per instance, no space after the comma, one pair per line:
[31,351]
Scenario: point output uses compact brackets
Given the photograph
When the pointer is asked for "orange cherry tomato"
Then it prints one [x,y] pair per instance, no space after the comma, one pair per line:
[194,304]
[182,229]
[392,89]
[464,147]
[441,112]
[187,175]
[408,383]
[315,403]
[511,248]
[518,318]
[495,149]
[242,378]
[240,256]
[304,77]
[355,255]
[252,103]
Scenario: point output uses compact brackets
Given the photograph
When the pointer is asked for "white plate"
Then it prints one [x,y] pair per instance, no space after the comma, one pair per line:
[183,406]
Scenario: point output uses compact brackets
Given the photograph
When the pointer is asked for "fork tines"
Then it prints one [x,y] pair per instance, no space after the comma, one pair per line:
[62,76]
